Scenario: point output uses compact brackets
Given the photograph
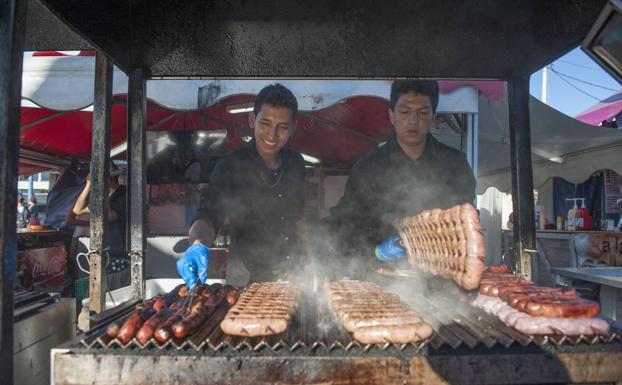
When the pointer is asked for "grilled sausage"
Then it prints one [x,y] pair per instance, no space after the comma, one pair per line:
[253,326]
[497,269]
[159,303]
[192,322]
[113,328]
[562,308]
[132,324]
[172,296]
[230,294]
[396,334]
[164,333]
[151,325]
[183,291]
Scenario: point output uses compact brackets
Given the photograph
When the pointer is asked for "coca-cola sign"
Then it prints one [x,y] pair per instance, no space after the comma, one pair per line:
[41,268]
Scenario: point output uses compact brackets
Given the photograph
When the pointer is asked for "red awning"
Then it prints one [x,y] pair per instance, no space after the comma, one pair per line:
[337,135]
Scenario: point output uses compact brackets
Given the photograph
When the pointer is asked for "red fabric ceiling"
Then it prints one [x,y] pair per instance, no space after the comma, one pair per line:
[338,135]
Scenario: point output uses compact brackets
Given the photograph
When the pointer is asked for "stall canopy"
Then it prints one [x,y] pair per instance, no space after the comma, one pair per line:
[603,112]
[338,120]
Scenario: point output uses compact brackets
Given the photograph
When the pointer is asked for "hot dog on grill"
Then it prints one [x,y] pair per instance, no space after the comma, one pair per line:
[151,325]
[113,328]
[164,333]
[193,321]
[230,294]
[132,324]
[159,304]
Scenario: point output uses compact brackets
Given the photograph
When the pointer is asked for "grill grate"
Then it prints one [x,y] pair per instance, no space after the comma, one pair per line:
[314,329]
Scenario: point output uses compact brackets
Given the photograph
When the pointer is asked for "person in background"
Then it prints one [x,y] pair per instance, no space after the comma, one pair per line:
[409,173]
[22,212]
[118,272]
[258,192]
[33,211]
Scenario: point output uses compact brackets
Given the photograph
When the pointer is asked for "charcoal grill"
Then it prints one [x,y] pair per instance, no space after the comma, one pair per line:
[468,346]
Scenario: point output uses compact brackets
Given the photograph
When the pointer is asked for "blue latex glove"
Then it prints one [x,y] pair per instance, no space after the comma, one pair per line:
[192,266]
[390,249]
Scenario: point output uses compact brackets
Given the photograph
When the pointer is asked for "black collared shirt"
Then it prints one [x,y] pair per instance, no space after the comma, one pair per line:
[116,229]
[262,205]
[386,185]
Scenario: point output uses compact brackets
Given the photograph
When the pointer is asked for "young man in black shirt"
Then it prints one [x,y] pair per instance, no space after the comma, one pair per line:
[117,268]
[256,191]
[410,173]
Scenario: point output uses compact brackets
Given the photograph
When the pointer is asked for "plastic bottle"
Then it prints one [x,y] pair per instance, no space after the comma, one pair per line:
[583,220]
[570,217]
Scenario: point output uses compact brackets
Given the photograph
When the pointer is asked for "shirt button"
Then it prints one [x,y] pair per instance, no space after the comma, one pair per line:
[275,173]
[280,195]
[286,238]
[287,257]
[282,218]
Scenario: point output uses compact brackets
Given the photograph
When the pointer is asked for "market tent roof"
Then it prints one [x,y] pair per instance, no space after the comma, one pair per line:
[603,111]
[337,135]
[303,39]
[58,91]
[63,82]
[561,146]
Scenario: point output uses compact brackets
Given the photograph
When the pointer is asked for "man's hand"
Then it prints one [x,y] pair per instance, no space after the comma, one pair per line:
[192,266]
[391,249]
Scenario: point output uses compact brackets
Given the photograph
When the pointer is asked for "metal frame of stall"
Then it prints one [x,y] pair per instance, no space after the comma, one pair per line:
[12,33]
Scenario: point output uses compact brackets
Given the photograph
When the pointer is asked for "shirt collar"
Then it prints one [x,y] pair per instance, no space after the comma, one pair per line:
[396,154]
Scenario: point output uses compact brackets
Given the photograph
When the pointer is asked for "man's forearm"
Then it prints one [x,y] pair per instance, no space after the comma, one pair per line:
[201,231]
[81,205]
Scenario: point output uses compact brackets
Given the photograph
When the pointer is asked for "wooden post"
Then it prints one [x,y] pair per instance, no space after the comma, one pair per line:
[100,174]
[137,177]
[12,31]
[522,174]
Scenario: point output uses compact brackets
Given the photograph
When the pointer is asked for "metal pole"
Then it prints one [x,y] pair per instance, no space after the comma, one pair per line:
[100,174]
[12,31]
[137,177]
[472,144]
[522,175]
[31,186]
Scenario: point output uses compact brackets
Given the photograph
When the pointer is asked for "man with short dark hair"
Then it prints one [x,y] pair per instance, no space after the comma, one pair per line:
[411,172]
[118,272]
[257,192]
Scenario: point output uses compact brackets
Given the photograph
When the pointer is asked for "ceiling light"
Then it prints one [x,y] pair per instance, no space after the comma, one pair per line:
[239,108]
[310,159]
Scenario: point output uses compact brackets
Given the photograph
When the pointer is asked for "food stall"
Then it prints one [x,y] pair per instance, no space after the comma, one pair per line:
[467,346]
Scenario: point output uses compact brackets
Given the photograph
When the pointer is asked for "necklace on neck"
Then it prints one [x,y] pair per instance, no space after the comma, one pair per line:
[278,179]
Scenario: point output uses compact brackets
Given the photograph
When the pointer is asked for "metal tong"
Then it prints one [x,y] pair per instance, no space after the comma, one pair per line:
[188,302]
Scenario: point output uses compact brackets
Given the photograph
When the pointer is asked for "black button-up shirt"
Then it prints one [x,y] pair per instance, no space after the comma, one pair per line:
[386,185]
[262,206]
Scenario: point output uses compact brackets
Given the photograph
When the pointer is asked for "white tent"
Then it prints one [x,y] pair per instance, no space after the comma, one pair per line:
[561,146]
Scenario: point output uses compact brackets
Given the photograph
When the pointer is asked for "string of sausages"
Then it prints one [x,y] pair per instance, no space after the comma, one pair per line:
[448,243]
[166,316]
[373,315]
[264,308]
[533,309]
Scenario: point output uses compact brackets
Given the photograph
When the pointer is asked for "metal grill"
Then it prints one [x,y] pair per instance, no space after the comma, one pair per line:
[314,329]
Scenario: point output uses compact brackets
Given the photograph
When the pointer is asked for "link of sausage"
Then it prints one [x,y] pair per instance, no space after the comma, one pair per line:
[132,324]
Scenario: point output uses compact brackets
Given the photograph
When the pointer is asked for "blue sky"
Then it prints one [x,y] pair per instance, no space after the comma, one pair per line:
[563,96]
